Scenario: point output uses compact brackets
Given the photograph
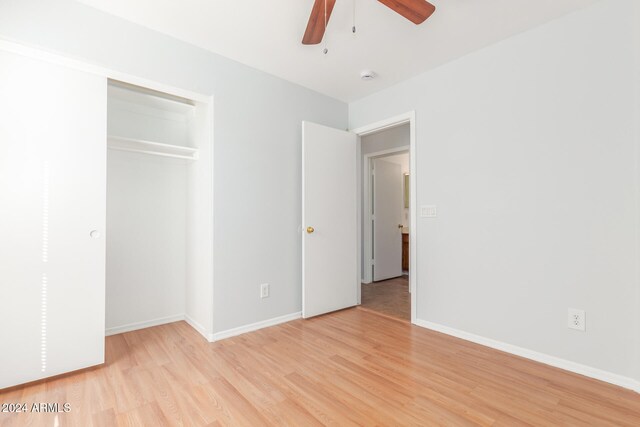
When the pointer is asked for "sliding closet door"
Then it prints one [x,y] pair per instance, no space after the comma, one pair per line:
[52,219]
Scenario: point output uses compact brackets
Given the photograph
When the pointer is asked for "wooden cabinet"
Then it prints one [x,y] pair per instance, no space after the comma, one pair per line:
[405,251]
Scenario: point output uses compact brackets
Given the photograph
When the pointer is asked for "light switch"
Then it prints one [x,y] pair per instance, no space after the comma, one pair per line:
[428,211]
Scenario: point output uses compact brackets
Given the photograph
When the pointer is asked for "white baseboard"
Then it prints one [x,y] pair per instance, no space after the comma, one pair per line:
[255,326]
[141,325]
[198,327]
[557,362]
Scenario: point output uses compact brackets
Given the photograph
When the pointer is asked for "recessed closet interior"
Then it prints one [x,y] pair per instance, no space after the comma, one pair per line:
[157,232]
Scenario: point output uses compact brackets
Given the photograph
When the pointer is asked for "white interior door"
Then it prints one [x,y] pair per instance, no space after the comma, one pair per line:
[52,195]
[387,219]
[329,220]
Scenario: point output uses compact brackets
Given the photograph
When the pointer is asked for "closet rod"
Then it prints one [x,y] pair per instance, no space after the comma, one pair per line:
[152,148]
[155,153]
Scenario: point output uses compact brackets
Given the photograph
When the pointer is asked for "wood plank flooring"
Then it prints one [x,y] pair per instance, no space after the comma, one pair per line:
[348,368]
[390,297]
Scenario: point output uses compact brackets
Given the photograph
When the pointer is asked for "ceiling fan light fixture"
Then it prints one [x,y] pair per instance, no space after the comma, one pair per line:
[367,75]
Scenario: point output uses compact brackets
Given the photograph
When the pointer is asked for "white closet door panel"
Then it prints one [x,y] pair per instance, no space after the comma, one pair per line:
[52,195]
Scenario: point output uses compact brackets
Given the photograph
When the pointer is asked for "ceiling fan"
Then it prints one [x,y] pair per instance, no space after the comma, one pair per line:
[416,11]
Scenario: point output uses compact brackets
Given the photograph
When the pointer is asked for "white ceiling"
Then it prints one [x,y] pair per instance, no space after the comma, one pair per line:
[267,35]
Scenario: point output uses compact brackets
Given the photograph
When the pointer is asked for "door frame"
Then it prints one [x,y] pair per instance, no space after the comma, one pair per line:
[367,236]
[391,122]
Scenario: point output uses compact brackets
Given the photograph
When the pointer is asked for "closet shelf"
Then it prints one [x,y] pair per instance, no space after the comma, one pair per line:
[154,148]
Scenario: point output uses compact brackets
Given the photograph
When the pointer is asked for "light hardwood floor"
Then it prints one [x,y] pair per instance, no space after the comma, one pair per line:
[348,368]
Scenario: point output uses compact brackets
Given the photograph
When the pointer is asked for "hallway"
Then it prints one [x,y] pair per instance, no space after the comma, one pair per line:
[390,297]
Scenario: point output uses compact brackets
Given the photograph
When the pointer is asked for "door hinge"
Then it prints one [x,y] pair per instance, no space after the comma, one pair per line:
[373,262]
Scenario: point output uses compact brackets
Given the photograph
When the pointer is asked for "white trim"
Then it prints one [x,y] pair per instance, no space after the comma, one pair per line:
[255,326]
[637,189]
[160,321]
[409,117]
[367,277]
[385,153]
[142,325]
[205,246]
[385,124]
[359,277]
[547,359]
[198,327]
[302,226]
[209,263]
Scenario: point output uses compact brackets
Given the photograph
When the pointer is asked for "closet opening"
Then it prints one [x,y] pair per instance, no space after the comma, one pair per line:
[159,232]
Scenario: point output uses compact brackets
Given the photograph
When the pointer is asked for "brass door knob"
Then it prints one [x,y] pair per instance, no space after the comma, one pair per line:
[310,230]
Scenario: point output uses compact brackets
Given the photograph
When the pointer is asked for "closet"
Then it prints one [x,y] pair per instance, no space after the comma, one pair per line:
[158,235]
[106,212]
[151,145]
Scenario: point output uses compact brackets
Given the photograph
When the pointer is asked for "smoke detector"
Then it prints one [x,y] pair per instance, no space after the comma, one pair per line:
[367,75]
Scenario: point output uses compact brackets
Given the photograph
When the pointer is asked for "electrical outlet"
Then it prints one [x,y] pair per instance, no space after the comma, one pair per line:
[264,290]
[576,319]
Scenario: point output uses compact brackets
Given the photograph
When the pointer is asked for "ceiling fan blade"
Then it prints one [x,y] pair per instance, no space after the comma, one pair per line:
[416,11]
[316,25]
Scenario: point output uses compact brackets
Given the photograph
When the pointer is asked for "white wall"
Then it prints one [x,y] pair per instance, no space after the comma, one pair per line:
[527,148]
[199,292]
[399,159]
[385,140]
[257,143]
[146,238]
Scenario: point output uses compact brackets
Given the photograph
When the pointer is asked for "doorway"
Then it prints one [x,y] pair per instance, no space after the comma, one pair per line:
[332,214]
[385,221]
